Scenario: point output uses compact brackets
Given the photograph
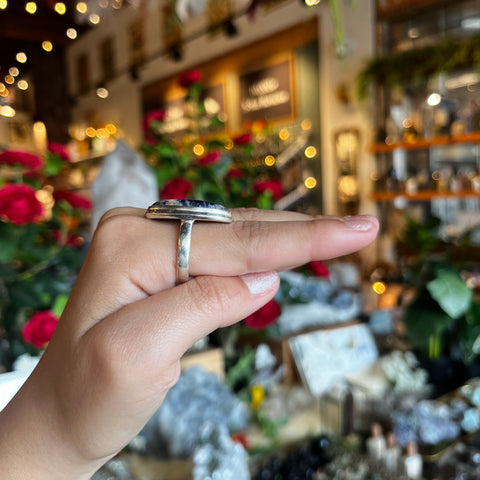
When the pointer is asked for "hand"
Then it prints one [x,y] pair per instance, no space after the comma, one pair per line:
[117,347]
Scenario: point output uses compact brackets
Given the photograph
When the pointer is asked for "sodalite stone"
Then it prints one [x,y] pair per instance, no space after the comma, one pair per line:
[185,202]
[198,398]
[219,457]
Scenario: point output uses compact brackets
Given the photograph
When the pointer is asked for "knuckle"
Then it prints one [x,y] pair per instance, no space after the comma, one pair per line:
[209,295]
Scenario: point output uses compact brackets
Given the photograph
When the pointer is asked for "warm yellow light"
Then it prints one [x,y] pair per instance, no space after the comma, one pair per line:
[102,133]
[47,46]
[111,129]
[13,71]
[229,144]
[9,79]
[71,33]
[94,18]
[103,3]
[22,84]
[283,134]
[81,7]
[198,150]
[306,125]
[91,132]
[260,137]
[102,92]
[310,182]
[7,111]
[3,4]
[310,151]
[312,3]
[269,160]
[31,7]
[21,57]
[2,87]
[434,99]
[60,8]
[3,91]
[379,288]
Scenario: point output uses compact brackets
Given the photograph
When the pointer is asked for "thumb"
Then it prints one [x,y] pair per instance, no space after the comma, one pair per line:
[163,326]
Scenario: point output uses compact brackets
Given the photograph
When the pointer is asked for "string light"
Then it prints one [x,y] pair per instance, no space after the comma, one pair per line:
[7,111]
[31,7]
[2,87]
[269,160]
[9,79]
[21,57]
[310,182]
[310,151]
[60,8]
[3,4]
[81,7]
[94,18]
[13,71]
[71,33]
[102,92]
[284,134]
[22,84]
[198,150]
[47,46]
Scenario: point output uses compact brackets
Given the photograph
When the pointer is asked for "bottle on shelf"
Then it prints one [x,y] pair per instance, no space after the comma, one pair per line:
[392,453]
[413,462]
[376,443]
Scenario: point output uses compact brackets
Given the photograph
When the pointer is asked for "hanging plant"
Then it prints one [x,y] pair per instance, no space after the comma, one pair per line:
[413,66]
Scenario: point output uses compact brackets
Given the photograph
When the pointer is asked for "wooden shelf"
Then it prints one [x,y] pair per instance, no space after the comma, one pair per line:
[424,196]
[422,144]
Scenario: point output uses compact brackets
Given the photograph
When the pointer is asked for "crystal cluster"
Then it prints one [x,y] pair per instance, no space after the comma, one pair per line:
[312,301]
[198,398]
[403,372]
[218,457]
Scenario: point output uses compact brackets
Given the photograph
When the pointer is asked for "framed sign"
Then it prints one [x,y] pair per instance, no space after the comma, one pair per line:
[267,93]
[325,357]
[177,120]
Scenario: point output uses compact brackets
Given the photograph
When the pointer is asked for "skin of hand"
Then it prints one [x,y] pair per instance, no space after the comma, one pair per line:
[116,350]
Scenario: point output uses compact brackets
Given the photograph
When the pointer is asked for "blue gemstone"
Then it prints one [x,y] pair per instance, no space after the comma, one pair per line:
[188,203]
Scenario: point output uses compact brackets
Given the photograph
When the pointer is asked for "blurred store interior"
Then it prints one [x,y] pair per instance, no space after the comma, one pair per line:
[327,107]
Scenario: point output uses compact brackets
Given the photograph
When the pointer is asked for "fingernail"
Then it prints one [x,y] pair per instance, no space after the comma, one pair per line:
[260,283]
[360,223]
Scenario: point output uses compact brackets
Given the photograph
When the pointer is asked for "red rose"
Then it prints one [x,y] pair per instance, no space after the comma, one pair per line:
[244,139]
[264,317]
[19,205]
[319,269]
[72,240]
[235,173]
[39,329]
[29,160]
[153,116]
[58,149]
[176,188]
[211,158]
[75,200]
[189,78]
[272,186]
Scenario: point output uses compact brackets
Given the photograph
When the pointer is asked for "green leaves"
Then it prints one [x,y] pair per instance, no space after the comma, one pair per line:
[451,292]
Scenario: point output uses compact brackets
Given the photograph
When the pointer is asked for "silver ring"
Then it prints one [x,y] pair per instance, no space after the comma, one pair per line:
[187,211]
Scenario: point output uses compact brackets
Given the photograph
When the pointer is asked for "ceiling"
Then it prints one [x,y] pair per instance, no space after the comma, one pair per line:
[21,31]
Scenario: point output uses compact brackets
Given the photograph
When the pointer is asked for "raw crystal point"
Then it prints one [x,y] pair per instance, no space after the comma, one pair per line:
[264,357]
[218,456]
[124,179]
[198,398]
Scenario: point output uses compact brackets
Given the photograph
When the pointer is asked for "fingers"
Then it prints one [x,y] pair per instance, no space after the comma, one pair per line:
[132,257]
[131,357]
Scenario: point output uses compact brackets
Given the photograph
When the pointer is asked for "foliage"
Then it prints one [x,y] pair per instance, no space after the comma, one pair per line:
[205,162]
[39,246]
[416,65]
[444,316]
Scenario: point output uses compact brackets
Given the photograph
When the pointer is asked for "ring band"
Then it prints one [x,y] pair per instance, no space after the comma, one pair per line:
[187,211]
